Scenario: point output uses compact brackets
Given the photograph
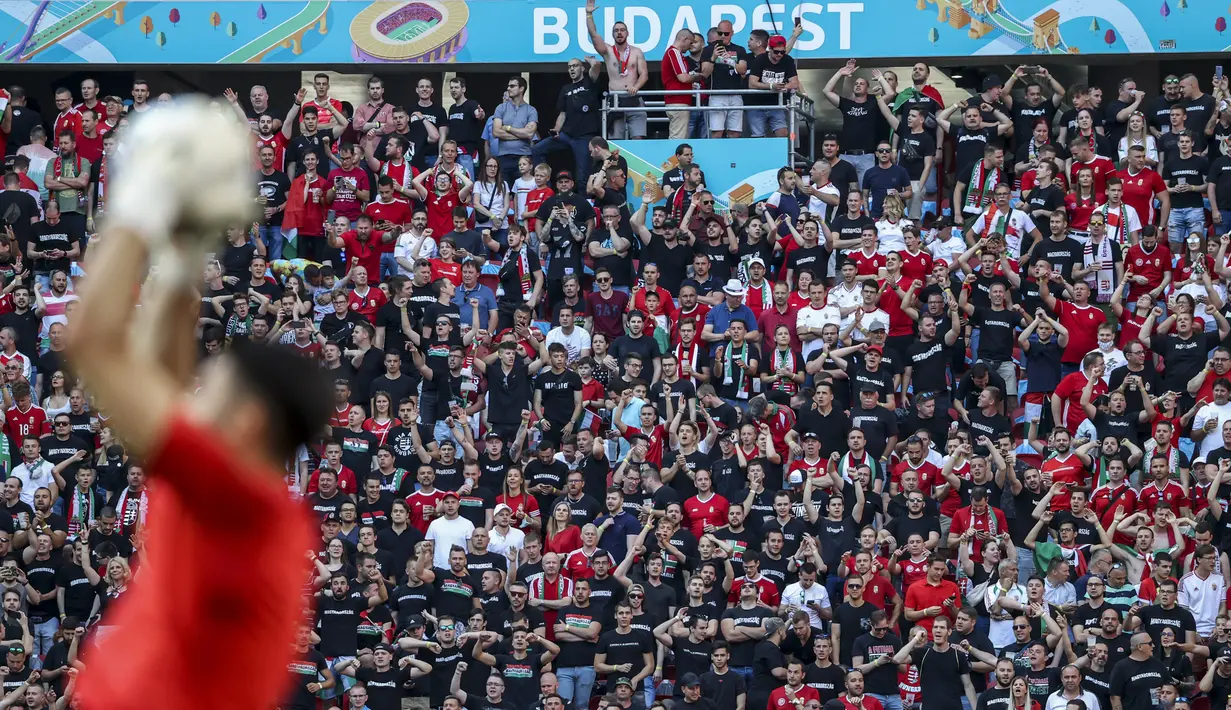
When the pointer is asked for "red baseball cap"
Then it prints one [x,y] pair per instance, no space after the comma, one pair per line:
[777,41]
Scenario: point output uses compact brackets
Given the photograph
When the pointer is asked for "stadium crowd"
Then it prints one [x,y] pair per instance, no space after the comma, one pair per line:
[926,426]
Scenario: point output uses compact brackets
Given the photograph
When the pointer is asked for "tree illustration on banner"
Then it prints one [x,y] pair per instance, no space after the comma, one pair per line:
[147,26]
[260,13]
[1183,5]
[161,39]
[174,16]
[1094,25]
[1165,10]
[215,20]
[1220,25]
[232,30]
[1110,37]
[933,35]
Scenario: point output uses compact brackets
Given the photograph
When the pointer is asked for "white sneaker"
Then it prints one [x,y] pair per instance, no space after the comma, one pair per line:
[183,176]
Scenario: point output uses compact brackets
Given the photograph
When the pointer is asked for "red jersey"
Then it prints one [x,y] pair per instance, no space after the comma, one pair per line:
[1102,168]
[767,591]
[780,422]
[1130,328]
[1139,191]
[380,430]
[65,121]
[916,266]
[673,65]
[809,470]
[929,475]
[699,313]
[311,350]
[30,422]
[403,175]
[396,211]
[170,636]
[277,141]
[1151,495]
[448,270]
[867,702]
[899,322]
[922,595]
[1069,391]
[368,303]
[991,521]
[1106,500]
[418,501]
[1183,270]
[1153,265]
[90,148]
[341,417]
[347,482]
[869,264]
[879,591]
[366,250]
[579,565]
[1066,469]
[1082,323]
[778,699]
[323,115]
[440,212]
[697,513]
[534,199]
[654,450]
[914,570]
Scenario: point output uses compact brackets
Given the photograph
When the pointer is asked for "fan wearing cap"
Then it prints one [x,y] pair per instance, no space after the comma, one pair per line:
[774,71]
[449,529]
[566,220]
[690,687]
[718,321]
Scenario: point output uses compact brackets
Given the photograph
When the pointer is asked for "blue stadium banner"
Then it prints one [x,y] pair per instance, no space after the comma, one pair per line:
[736,169]
[323,32]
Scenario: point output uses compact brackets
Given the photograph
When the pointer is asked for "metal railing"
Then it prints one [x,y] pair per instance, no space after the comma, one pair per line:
[800,111]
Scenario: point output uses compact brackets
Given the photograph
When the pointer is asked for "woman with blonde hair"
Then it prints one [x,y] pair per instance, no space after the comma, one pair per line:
[1136,134]
[889,226]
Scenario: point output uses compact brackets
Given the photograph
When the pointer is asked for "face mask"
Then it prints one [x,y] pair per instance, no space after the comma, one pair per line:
[1106,347]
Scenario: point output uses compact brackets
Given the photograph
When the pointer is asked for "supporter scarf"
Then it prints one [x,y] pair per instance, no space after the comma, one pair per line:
[538,587]
[1076,558]
[784,358]
[742,391]
[58,167]
[82,508]
[996,221]
[406,173]
[980,188]
[1103,280]
[142,510]
[523,273]
[1118,234]
[102,183]
[691,356]
[1032,152]
[767,294]
[1089,138]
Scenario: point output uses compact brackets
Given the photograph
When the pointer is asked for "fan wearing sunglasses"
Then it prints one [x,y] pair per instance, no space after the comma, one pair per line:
[1136,680]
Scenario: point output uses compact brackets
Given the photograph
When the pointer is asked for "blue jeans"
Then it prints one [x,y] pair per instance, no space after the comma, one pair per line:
[44,637]
[508,168]
[271,236]
[740,404]
[1225,225]
[862,164]
[746,673]
[762,122]
[697,125]
[388,265]
[891,702]
[649,689]
[576,683]
[1025,563]
[1184,221]
[580,146]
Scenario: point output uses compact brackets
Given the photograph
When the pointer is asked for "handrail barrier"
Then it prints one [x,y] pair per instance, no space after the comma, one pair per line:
[800,110]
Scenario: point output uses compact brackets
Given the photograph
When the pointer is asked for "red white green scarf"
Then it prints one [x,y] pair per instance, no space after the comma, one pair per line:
[980,188]
[732,375]
[690,355]
[784,359]
[407,175]
[523,273]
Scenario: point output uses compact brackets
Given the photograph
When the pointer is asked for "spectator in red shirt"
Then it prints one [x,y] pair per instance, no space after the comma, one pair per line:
[1078,317]
[933,596]
[365,299]
[706,511]
[362,243]
[678,77]
[1142,185]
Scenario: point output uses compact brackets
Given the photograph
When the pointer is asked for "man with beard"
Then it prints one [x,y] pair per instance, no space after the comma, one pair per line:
[578,120]
[661,245]
[626,74]
[939,663]
[999,697]
[1037,105]
[565,230]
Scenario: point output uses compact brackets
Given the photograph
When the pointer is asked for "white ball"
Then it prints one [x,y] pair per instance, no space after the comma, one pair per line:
[183,175]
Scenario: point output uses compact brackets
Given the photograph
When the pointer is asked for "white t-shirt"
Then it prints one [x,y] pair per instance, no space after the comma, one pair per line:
[447,533]
[809,317]
[842,297]
[815,204]
[1202,597]
[401,250]
[521,190]
[577,341]
[501,544]
[949,250]
[795,595]
[494,199]
[1213,439]
[889,235]
[1016,224]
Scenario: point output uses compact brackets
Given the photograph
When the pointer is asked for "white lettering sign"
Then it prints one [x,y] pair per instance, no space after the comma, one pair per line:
[554,33]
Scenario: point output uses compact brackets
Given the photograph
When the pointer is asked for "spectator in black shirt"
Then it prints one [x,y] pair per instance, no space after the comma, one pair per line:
[772,71]
[858,121]
[579,119]
[724,63]
[916,151]
[465,125]
[428,127]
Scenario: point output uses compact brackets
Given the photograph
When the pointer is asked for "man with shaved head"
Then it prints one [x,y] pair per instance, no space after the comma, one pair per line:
[1135,680]
[550,591]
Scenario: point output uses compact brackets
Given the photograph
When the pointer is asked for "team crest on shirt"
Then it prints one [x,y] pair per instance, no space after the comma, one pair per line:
[1139,262]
